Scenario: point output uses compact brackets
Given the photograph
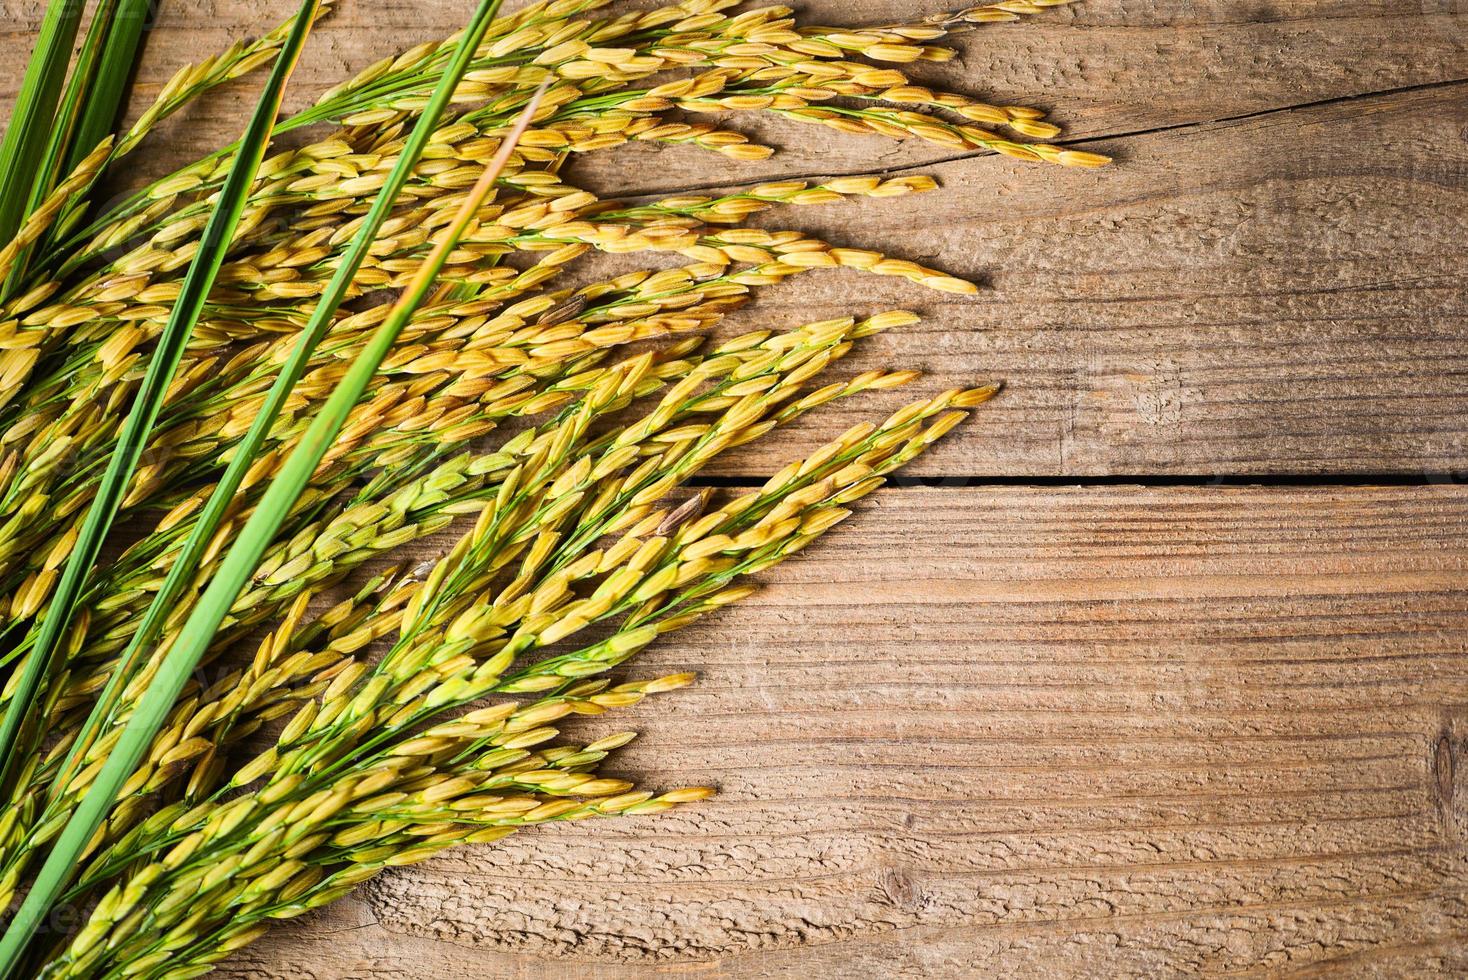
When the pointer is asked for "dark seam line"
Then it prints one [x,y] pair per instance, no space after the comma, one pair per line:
[1318,103]
[633,196]
[1263,481]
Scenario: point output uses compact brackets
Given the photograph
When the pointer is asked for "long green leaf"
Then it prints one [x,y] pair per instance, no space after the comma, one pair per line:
[187,562]
[73,99]
[162,365]
[88,106]
[233,572]
[110,85]
[35,107]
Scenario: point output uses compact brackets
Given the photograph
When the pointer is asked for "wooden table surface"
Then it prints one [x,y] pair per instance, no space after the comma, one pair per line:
[1162,668]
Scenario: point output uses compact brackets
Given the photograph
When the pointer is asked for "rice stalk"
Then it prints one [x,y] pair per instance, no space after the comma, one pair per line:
[422,710]
[103,508]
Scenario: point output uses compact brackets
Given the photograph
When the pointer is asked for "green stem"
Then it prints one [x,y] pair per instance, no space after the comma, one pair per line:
[110,87]
[35,106]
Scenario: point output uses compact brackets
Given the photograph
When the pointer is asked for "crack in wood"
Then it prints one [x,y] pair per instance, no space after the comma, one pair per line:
[637,195]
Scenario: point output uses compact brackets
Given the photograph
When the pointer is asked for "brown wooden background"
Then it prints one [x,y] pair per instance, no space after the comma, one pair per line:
[1164,671]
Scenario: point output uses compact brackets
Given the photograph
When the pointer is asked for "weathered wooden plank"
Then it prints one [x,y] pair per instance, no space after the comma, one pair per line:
[1014,732]
[1033,732]
[1275,294]
[1271,294]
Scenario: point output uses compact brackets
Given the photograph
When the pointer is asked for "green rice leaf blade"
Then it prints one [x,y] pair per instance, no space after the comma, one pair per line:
[110,85]
[31,120]
[73,100]
[92,95]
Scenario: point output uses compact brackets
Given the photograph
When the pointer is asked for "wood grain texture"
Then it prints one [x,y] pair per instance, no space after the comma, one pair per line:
[1091,732]
[1267,295]
[1020,731]
[1264,284]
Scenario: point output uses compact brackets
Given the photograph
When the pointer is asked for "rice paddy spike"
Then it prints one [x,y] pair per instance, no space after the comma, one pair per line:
[580,525]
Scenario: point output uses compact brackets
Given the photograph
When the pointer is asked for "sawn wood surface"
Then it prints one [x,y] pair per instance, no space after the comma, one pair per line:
[1074,728]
